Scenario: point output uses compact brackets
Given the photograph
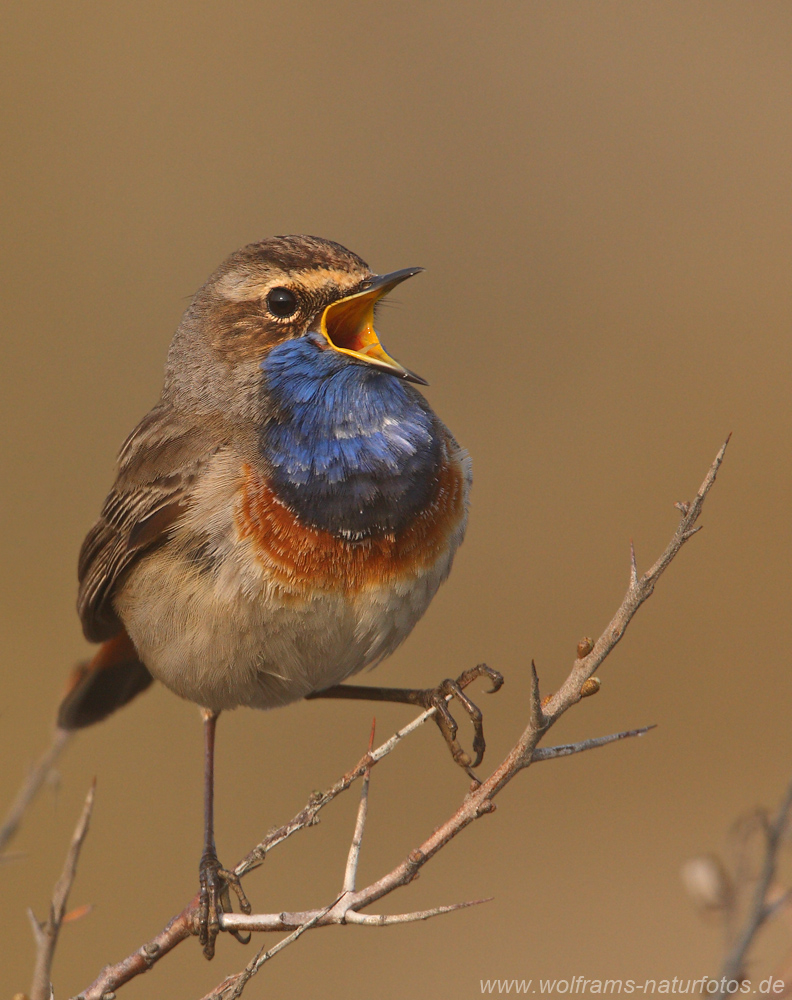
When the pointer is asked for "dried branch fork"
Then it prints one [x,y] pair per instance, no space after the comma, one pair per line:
[762,906]
[347,907]
[46,934]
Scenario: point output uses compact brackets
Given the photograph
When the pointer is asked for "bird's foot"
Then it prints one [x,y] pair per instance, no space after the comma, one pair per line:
[215,899]
[432,698]
[436,698]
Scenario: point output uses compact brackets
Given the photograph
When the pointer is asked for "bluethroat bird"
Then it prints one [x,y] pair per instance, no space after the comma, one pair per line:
[281,518]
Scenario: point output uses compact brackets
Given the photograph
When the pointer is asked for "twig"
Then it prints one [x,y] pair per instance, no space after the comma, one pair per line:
[330,915]
[182,925]
[232,987]
[350,875]
[639,590]
[336,914]
[308,816]
[566,749]
[478,802]
[46,934]
[761,910]
[31,785]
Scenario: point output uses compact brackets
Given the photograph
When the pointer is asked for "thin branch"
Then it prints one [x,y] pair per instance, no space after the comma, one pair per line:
[639,590]
[30,787]
[567,749]
[477,803]
[232,987]
[46,934]
[308,816]
[350,875]
[331,915]
[389,919]
[761,910]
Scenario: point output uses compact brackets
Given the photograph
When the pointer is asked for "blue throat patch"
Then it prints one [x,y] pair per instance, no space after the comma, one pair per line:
[352,450]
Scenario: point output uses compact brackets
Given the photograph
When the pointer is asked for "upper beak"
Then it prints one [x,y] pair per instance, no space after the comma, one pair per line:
[348,324]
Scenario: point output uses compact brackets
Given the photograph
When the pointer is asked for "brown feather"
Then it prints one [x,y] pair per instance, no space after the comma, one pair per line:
[158,465]
[111,679]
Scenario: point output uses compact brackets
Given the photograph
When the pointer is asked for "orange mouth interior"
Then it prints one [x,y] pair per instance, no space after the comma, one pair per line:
[349,325]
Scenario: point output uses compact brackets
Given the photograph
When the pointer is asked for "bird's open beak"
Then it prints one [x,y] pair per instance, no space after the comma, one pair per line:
[348,324]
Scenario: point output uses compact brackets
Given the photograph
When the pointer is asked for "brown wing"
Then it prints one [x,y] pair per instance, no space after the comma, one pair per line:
[157,467]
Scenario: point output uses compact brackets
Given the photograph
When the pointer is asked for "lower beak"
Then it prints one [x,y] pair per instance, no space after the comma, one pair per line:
[348,324]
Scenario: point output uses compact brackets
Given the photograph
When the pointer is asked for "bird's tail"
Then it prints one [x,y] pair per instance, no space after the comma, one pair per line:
[99,686]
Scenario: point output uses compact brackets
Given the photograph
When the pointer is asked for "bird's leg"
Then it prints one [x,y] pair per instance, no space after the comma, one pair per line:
[215,880]
[433,698]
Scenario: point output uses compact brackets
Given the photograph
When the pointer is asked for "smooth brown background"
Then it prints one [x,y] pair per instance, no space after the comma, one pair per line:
[600,192]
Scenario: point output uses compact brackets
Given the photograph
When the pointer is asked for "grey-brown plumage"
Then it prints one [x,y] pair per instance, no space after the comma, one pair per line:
[282,517]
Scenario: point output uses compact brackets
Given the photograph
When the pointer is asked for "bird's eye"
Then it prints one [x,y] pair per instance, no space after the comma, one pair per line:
[282,302]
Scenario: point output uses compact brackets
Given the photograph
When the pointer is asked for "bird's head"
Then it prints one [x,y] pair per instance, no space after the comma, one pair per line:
[281,289]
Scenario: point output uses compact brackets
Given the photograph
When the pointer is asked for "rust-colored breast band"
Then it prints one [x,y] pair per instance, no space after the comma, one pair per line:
[302,557]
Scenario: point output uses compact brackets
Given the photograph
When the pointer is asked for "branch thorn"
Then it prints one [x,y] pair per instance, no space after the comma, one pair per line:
[633,566]
[536,713]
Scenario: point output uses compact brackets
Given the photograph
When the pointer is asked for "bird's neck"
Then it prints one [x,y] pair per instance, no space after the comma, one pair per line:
[351,450]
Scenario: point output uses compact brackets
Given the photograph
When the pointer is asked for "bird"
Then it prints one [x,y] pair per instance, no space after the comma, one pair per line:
[281,518]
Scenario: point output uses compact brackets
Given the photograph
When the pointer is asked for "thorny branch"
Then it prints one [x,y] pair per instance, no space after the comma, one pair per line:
[347,907]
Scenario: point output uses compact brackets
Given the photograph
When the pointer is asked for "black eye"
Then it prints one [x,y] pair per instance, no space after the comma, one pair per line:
[281,302]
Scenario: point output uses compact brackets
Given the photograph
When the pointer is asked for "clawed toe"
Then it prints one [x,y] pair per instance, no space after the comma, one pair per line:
[215,899]
[438,698]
